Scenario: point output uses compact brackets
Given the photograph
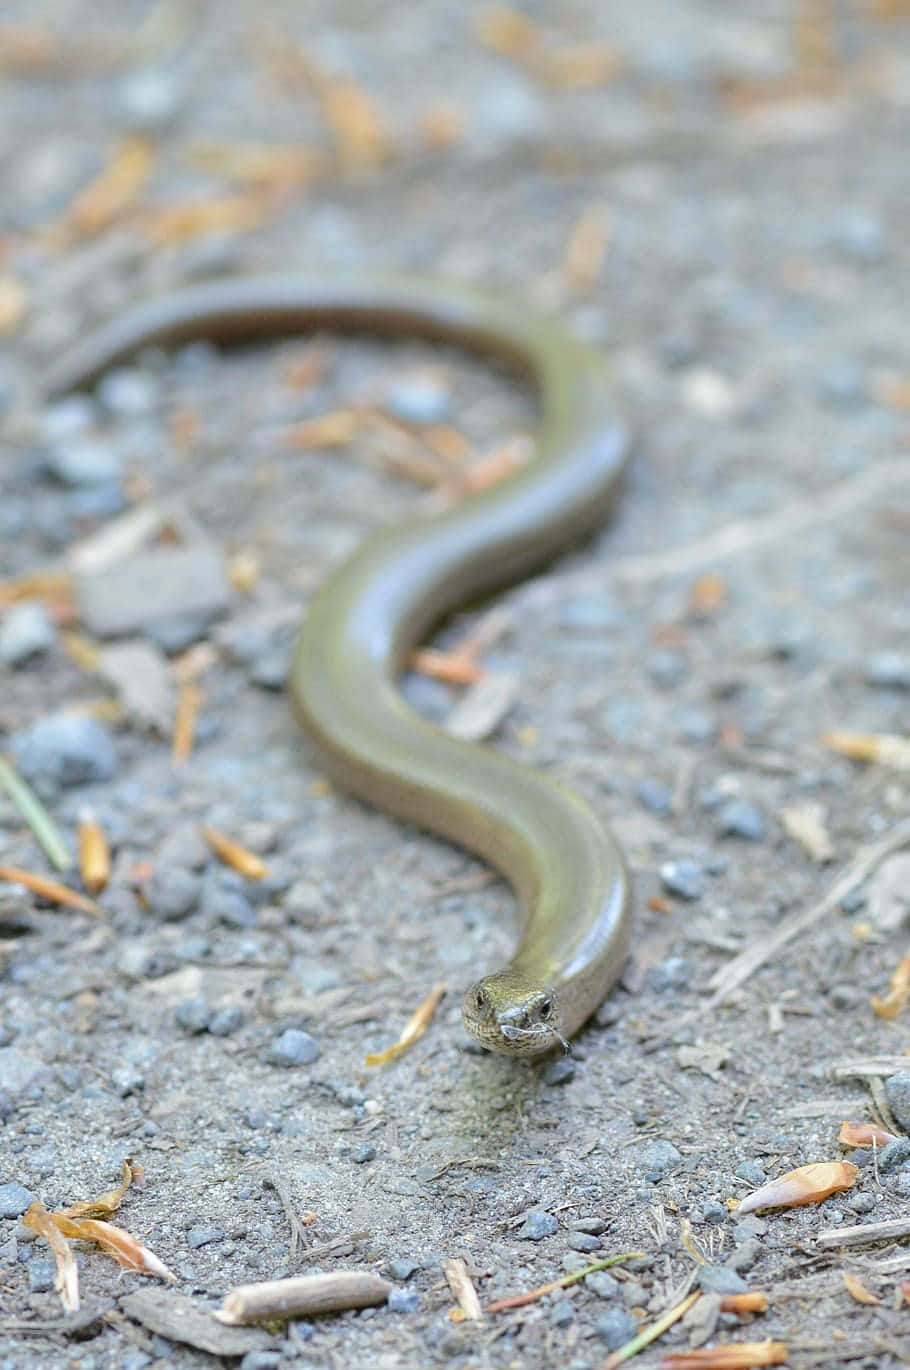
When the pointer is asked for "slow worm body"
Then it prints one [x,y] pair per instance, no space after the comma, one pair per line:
[561,859]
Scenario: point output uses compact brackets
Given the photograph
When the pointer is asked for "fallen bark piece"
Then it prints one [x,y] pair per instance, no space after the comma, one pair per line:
[139,673]
[808,1184]
[864,1234]
[302,1297]
[144,590]
[187,1320]
[462,1286]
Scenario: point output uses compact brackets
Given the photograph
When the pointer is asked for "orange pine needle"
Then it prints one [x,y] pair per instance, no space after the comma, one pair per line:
[738,1356]
[94,855]
[51,890]
[898,996]
[234,855]
[189,699]
[413,1029]
[752,1302]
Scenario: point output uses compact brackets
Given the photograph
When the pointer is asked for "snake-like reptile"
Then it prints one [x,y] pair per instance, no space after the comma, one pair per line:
[560,857]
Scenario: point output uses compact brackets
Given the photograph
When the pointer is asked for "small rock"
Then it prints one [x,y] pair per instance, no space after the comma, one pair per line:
[420,398]
[750,1226]
[63,750]
[745,1255]
[81,461]
[860,1203]
[583,1241]
[667,668]
[720,1279]
[852,901]
[538,1224]
[193,1015]
[654,796]
[713,1212]
[695,725]
[402,1268]
[616,1327]
[897,1092]
[860,237]
[226,1021]
[887,671]
[26,631]
[560,1071]
[152,587]
[261,1360]
[141,677]
[270,670]
[363,1153]
[561,1313]
[128,392]
[603,1284]
[673,973]
[684,878]
[844,996]
[173,892]
[403,1301]
[14,1199]
[40,1274]
[739,818]
[657,1158]
[595,1226]
[751,1172]
[293,1047]
[150,99]
[894,1154]
[203,1235]
[73,414]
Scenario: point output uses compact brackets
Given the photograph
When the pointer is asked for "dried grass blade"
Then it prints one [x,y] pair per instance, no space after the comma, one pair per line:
[66,1280]
[36,816]
[413,1029]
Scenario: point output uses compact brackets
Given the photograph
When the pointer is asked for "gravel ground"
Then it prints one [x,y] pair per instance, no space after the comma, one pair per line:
[720,195]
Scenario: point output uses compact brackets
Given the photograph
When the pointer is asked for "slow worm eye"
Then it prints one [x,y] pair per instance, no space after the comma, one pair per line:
[480,999]
[546,1008]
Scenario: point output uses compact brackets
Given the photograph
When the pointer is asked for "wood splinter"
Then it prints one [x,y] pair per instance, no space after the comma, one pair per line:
[302,1296]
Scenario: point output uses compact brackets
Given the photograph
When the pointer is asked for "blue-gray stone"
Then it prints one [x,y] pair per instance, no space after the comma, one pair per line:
[63,750]
[654,796]
[404,1301]
[739,818]
[363,1153]
[843,383]
[401,1268]
[63,419]
[128,392]
[673,973]
[40,1274]
[150,99]
[419,399]
[616,1327]
[712,1211]
[193,1015]
[538,1224]
[561,1313]
[657,1158]
[226,1021]
[897,1092]
[173,891]
[25,631]
[751,1172]
[695,725]
[559,1071]
[293,1047]
[14,1199]
[887,671]
[720,1279]
[604,1285]
[860,236]
[204,1234]
[667,667]
[583,1241]
[895,1154]
[684,878]
[84,460]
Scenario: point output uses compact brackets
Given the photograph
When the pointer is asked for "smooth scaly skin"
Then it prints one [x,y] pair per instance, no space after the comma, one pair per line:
[562,860]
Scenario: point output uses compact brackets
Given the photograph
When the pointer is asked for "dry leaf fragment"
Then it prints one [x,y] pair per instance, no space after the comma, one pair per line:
[110,1201]
[413,1029]
[863,1134]
[51,890]
[808,1184]
[739,1356]
[126,1249]
[857,1290]
[805,823]
[234,855]
[898,995]
[886,749]
[462,1287]
[66,1280]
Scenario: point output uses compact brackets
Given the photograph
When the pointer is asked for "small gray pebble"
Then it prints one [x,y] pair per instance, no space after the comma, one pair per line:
[127,1080]
[363,1153]
[860,1203]
[887,671]
[667,668]
[150,99]
[751,1172]
[603,1284]
[894,1154]
[226,1021]
[739,818]
[695,725]
[128,392]
[175,632]
[26,631]
[595,1226]
[673,973]
[261,1360]
[559,1071]
[193,1015]
[897,1092]
[66,417]
[633,1294]
[173,891]
[293,1047]
[404,1301]
[203,1235]
[684,878]
[745,1254]
[583,1241]
[538,1224]
[616,1327]
[712,1211]
[231,906]
[80,461]
[852,901]
[561,1313]
[844,996]
[14,1199]
[657,1157]
[40,1274]
[62,750]
[419,399]
[654,796]
[720,1279]
[401,1268]
[270,671]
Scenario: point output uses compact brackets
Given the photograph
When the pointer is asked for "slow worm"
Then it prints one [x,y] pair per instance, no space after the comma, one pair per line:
[557,853]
